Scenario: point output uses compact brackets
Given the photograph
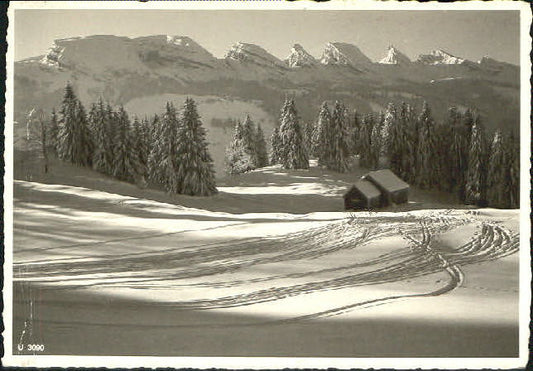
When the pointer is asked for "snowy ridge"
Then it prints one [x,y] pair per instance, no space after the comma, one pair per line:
[437,57]
[299,57]
[394,56]
[344,54]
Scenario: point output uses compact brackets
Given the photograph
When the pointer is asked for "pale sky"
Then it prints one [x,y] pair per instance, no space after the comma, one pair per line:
[467,34]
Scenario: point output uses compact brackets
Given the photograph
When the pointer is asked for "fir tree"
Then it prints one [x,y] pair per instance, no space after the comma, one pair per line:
[376,144]
[458,155]
[513,170]
[426,175]
[275,139]
[408,116]
[468,119]
[339,140]
[195,168]
[162,160]
[497,180]
[394,133]
[321,141]
[275,145]
[238,159]
[365,144]
[356,126]
[476,174]
[390,123]
[124,164]
[441,155]
[110,118]
[158,148]
[260,148]
[99,120]
[139,150]
[293,152]
[53,130]
[308,136]
[74,141]
[248,141]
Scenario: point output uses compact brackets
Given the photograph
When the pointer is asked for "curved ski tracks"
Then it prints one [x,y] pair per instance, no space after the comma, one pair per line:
[168,269]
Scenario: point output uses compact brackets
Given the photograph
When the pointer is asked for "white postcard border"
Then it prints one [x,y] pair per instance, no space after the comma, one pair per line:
[275,362]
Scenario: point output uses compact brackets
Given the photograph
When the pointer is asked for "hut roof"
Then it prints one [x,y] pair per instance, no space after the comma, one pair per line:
[387,179]
[367,188]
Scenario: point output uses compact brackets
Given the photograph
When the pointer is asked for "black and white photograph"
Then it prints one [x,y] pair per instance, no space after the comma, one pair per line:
[267,184]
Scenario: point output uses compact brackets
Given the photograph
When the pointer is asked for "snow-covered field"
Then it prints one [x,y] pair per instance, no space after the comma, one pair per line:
[111,269]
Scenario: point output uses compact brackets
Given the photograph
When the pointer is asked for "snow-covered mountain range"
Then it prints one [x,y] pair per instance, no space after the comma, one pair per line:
[146,69]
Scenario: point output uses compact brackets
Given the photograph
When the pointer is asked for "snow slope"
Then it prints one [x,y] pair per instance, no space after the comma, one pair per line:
[263,253]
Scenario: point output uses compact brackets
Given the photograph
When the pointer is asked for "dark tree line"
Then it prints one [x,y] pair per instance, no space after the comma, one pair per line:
[170,152]
[454,156]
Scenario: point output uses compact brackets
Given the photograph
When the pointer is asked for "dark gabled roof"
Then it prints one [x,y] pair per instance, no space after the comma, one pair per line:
[366,188]
[386,180]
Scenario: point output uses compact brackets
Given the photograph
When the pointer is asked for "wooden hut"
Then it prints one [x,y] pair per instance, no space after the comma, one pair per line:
[393,189]
[362,195]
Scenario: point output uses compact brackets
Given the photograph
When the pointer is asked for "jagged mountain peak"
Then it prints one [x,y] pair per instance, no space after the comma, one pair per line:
[394,56]
[340,53]
[299,57]
[251,53]
[439,56]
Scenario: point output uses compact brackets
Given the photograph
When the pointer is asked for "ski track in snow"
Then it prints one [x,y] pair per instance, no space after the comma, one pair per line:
[175,267]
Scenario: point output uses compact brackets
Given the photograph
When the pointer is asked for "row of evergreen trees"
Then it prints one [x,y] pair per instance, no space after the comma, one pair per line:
[170,152]
[453,156]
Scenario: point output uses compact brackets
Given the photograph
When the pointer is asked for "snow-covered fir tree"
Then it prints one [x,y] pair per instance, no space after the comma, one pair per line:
[275,147]
[293,152]
[125,162]
[408,118]
[441,153]
[395,138]
[238,159]
[260,147]
[195,168]
[275,139]
[426,174]
[390,121]
[497,180]
[53,130]
[85,146]
[376,143]
[158,148]
[365,145]
[321,144]
[468,118]
[308,129]
[513,169]
[140,150]
[476,175]
[67,125]
[162,160]
[458,154]
[74,140]
[356,126]
[248,140]
[339,139]
[99,122]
